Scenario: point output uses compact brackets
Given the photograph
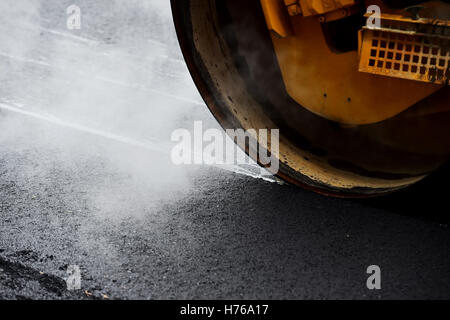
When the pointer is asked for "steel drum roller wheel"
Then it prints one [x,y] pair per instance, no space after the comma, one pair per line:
[231,58]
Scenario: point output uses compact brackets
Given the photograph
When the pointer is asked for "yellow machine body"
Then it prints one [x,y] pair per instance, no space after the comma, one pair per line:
[345,129]
[331,84]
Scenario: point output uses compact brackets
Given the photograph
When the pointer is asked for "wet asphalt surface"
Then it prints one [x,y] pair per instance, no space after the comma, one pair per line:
[227,236]
[140,228]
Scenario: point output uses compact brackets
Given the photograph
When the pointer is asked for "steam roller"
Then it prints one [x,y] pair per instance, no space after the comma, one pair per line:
[358,89]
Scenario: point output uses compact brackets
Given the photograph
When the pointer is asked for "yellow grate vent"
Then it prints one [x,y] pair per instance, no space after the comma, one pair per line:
[408,50]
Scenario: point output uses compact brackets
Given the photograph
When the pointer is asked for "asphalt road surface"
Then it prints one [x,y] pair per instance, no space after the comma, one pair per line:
[86,180]
[223,235]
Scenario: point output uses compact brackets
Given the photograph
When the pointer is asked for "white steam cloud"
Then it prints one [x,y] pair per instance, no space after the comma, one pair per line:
[111,93]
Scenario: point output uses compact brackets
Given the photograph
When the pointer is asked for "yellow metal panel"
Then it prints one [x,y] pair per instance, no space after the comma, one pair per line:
[315,7]
[331,85]
[293,7]
[276,17]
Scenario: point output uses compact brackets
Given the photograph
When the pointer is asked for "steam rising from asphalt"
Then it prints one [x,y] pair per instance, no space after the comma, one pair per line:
[116,89]
[120,75]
